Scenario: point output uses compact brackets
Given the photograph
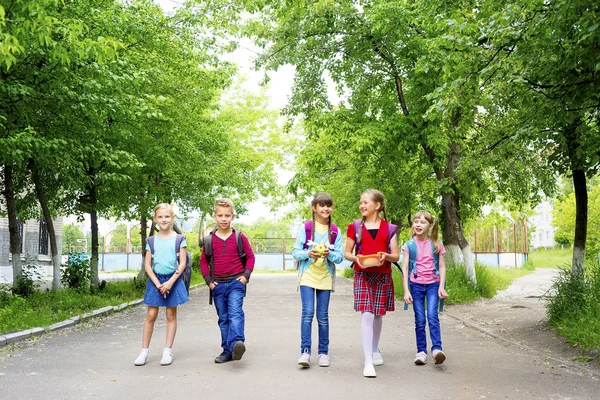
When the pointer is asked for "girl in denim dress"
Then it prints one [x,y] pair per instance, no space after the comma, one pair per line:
[165,286]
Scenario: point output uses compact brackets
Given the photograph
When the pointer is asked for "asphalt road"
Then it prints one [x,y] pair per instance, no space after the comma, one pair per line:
[95,360]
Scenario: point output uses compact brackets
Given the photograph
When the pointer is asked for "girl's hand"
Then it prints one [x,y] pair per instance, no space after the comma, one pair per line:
[325,253]
[442,293]
[408,297]
[314,254]
[166,287]
[382,257]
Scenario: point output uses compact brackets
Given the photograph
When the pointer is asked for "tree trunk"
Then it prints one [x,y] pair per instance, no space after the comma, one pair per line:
[142,276]
[94,260]
[455,243]
[39,192]
[13,228]
[581,217]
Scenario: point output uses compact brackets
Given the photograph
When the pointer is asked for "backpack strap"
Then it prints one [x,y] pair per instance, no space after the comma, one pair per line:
[307,233]
[357,226]
[207,250]
[436,258]
[412,256]
[150,241]
[240,247]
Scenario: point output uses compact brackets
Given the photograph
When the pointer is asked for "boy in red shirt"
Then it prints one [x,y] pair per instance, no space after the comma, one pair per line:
[228,280]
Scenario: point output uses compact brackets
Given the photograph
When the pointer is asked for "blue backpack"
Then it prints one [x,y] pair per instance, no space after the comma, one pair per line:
[187,273]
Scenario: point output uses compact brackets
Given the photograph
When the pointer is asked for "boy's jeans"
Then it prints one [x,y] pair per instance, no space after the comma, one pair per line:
[229,299]
[307,294]
[419,293]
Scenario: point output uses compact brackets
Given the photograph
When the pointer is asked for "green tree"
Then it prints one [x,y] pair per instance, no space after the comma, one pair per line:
[71,237]
[545,86]
[411,76]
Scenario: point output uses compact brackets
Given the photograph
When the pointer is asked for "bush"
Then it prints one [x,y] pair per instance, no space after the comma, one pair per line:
[76,272]
[29,281]
[574,307]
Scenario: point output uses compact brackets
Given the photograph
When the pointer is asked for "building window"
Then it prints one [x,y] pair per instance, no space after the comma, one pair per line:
[20,227]
[43,242]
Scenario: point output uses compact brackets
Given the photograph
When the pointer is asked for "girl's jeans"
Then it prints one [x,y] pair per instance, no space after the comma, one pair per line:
[420,293]
[307,295]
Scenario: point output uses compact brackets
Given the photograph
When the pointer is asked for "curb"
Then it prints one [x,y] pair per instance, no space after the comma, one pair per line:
[13,337]
[564,363]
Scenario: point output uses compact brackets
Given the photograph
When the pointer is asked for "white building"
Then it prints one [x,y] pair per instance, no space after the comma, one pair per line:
[541,225]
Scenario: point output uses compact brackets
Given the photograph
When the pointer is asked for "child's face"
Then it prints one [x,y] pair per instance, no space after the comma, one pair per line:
[163,219]
[322,212]
[368,207]
[223,217]
[421,225]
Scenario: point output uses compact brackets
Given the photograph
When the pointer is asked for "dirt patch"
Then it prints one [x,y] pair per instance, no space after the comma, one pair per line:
[523,322]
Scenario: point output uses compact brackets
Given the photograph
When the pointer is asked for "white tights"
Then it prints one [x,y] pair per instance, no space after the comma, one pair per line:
[370,330]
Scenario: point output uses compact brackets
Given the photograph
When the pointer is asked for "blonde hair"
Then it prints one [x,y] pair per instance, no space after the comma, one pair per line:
[322,199]
[377,197]
[165,206]
[433,230]
[227,203]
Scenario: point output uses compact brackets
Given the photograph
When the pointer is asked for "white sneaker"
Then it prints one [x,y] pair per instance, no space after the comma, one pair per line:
[167,358]
[304,360]
[141,359]
[438,356]
[323,360]
[377,359]
[369,371]
[421,358]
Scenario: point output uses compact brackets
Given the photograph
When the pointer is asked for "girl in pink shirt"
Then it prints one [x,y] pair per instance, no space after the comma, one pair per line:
[424,277]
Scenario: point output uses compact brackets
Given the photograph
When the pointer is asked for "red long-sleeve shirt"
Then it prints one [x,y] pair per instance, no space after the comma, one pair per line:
[226,259]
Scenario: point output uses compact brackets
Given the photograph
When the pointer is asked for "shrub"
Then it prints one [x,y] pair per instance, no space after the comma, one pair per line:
[574,306]
[76,272]
[29,281]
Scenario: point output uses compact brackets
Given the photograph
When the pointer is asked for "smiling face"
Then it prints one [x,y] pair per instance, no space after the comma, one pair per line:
[421,226]
[223,217]
[164,219]
[368,207]
[322,213]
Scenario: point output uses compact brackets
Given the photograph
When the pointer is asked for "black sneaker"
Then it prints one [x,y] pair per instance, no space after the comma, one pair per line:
[239,348]
[223,358]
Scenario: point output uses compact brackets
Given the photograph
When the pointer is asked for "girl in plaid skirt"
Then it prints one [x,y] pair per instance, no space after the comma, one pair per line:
[373,286]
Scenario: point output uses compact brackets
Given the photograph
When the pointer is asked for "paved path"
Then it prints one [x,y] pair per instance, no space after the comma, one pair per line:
[95,360]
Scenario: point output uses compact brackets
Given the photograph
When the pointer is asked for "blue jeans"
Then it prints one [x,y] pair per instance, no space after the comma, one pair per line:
[307,294]
[419,294]
[228,298]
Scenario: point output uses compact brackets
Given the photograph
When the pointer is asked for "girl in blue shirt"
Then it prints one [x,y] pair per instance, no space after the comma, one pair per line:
[165,287]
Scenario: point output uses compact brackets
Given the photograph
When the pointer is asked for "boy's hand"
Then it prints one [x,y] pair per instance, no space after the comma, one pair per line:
[212,285]
[442,293]
[242,279]
[408,297]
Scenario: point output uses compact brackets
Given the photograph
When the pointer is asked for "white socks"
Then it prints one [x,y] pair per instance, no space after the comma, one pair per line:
[167,357]
[141,359]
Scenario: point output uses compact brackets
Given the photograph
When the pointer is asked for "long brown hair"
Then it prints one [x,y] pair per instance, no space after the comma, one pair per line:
[322,199]
[377,197]
[433,229]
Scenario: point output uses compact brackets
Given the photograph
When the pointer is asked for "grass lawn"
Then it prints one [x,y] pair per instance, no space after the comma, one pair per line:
[551,258]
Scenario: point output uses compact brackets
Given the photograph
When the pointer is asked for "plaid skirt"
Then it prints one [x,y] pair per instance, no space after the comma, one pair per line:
[373,292]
